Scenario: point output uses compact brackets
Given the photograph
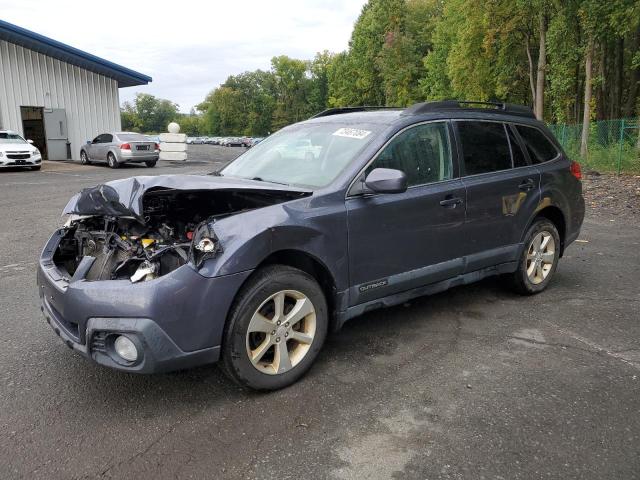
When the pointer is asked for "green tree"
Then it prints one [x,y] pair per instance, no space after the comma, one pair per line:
[129,118]
[148,114]
[318,95]
[291,87]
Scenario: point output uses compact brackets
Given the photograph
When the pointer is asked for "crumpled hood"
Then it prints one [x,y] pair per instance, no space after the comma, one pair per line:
[123,198]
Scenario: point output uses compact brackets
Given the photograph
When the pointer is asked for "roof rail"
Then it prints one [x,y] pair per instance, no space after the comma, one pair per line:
[485,107]
[341,110]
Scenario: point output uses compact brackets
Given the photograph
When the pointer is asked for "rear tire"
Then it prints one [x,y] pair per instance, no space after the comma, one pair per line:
[275,329]
[539,259]
[111,161]
[151,164]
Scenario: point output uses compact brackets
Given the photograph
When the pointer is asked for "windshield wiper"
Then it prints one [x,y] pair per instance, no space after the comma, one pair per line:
[260,179]
[216,173]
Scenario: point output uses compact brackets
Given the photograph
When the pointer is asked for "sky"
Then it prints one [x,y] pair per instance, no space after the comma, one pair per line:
[189,48]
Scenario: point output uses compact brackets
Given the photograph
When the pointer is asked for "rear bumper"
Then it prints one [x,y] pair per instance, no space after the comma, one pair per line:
[577,218]
[176,321]
[125,156]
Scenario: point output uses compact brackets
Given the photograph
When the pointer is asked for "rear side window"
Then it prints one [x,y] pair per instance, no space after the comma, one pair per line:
[537,144]
[422,152]
[485,147]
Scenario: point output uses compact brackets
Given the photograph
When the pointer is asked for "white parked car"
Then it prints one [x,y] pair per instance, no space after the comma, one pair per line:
[15,151]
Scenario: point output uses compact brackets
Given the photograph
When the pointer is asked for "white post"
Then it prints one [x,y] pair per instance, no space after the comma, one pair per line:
[173,145]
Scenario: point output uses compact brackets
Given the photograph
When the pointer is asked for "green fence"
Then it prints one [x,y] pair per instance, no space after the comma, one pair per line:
[614,145]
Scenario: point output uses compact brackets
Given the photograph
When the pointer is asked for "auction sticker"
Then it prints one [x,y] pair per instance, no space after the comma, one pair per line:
[351,133]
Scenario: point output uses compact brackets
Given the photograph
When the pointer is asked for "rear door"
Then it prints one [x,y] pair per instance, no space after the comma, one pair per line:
[503,191]
[402,241]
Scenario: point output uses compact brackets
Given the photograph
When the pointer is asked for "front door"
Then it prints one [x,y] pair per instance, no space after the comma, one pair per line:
[503,191]
[402,241]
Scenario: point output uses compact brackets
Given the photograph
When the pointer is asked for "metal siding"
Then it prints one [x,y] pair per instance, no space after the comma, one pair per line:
[90,100]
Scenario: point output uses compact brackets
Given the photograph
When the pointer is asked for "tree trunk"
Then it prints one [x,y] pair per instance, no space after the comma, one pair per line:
[532,84]
[634,79]
[542,67]
[577,94]
[619,79]
[586,115]
[602,99]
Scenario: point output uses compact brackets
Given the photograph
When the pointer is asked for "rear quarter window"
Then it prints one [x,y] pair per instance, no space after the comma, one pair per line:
[537,144]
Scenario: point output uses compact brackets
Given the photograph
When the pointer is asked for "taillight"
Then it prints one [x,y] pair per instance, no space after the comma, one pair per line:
[575,170]
[157,146]
[125,146]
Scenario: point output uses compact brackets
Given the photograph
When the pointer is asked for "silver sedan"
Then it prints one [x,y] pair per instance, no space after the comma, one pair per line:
[120,147]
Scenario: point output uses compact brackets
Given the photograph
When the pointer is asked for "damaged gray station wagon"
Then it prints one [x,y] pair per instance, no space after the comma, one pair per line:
[353,210]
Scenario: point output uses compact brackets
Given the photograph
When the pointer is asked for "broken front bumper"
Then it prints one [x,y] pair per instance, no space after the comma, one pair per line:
[176,321]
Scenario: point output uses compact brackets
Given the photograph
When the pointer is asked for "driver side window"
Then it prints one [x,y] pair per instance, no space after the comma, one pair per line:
[422,152]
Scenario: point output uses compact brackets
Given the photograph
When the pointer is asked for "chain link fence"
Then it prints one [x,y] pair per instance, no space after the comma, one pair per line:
[614,145]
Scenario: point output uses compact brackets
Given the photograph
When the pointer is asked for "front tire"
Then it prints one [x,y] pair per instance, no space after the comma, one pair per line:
[84,159]
[276,328]
[111,161]
[539,258]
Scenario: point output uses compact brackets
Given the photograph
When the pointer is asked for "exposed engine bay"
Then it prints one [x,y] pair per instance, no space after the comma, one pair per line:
[176,228]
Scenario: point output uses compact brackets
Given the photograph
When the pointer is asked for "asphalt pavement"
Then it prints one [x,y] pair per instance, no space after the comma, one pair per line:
[472,383]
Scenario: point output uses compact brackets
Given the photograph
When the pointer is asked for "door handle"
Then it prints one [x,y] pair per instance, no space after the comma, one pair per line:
[450,201]
[528,184]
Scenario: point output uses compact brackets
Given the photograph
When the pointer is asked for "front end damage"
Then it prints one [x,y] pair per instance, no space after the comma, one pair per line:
[126,264]
[147,237]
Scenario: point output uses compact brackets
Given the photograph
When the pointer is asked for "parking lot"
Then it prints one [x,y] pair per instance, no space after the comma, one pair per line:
[472,383]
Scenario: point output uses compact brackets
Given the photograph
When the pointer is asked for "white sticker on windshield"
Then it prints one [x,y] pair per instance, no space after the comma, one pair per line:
[351,133]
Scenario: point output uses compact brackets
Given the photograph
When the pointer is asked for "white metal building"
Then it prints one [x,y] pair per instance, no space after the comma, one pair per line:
[56,95]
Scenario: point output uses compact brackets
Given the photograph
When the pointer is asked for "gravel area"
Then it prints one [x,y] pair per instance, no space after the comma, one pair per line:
[213,153]
[612,196]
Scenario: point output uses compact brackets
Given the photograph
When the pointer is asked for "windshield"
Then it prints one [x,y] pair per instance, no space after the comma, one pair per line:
[310,155]
[6,137]
[132,137]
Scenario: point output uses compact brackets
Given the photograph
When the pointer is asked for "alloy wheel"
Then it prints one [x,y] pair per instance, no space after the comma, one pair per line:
[540,257]
[281,332]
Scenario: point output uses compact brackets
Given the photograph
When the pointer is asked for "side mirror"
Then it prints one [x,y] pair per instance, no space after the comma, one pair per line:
[30,141]
[89,142]
[386,180]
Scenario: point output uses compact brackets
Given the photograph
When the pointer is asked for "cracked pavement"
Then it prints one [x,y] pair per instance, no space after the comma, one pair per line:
[471,383]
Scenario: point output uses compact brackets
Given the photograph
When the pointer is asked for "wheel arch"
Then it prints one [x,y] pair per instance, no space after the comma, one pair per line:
[555,215]
[313,266]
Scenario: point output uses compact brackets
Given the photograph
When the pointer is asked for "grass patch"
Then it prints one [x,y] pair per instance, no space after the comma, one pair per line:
[605,159]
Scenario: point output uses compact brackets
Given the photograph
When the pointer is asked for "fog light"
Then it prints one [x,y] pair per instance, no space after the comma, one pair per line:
[126,348]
